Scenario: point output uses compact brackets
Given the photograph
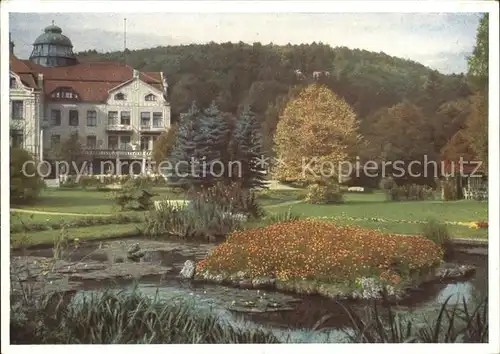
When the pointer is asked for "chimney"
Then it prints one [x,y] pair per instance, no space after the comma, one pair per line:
[135,74]
[40,81]
[11,44]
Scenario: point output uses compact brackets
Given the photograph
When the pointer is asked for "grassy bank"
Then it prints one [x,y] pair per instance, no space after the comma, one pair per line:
[82,233]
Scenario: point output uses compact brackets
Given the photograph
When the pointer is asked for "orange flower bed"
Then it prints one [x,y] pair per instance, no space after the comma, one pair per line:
[312,249]
[482,225]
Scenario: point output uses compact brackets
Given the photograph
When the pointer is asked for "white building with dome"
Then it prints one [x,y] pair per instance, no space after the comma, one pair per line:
[117,111]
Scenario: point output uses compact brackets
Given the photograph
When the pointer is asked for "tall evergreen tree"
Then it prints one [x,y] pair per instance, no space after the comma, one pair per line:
[248,151]
[212,144]
[183,152]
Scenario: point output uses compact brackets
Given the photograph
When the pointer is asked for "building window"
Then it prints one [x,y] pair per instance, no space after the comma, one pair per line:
[55,117]
[120,97]
[113,142]
[144,142]
[17,110]
[91,118]
[125,142]
[153,141]
[13,83]
[91,142]
[157,120]
[145,119]
[73,118]
[125,118]
[17,138]
[55,140]
[150,97]
[112,118]
[64,93]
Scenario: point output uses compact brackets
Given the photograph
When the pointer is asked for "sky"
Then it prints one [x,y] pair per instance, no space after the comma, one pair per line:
[441,41]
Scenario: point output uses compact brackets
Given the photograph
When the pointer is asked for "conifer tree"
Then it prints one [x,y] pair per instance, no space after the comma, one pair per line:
[248,151]
[183,152]
[213,144]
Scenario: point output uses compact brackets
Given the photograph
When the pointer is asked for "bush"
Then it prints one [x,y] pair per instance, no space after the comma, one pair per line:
[70,182]
[438,233]
[387,183]
[328,193]
[24,186]
[134,195]
[284,216]
[408,192]
[88,182]
[318,250]
[201,219]
[449,190]
[264,194]
[231,198]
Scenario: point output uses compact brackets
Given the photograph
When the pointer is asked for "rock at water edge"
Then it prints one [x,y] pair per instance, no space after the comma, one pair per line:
[188,270]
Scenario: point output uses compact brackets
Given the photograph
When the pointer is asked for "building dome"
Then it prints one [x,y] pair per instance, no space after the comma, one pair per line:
[52,48]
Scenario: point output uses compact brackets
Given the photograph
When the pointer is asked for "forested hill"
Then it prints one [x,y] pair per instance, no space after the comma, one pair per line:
[233,74]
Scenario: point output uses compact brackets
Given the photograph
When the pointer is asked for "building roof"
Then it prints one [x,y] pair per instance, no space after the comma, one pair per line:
[25,71]
[91,80]
[53,35]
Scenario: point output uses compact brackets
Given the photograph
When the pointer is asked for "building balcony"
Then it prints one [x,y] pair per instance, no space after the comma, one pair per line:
[118,153]
[152,128]
[107,154]
[17,124]
[119,128]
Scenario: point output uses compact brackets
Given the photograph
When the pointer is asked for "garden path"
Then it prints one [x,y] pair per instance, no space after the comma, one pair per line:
[41,212]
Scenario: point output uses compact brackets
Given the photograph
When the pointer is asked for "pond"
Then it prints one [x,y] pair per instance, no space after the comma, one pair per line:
[291,317]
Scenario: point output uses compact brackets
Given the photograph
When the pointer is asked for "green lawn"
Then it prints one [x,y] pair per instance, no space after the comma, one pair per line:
[82,233]
[360,209]
[374,206]
[84,201]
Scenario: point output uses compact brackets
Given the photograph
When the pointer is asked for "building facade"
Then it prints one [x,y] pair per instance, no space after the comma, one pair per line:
[117,111]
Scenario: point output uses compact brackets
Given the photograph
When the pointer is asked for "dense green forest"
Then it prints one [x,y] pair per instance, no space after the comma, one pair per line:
[235,74]
[266,77]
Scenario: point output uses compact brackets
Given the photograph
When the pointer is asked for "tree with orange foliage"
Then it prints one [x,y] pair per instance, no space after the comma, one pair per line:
[316,132]
[459,146]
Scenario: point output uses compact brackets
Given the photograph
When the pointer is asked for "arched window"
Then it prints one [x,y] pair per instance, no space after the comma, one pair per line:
[119,97]
[150,97]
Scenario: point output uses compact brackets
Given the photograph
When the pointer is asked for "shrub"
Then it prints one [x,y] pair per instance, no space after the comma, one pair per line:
[231,198]
[24,186]
[201,219]
[134,195]
[409,192]
[387,183]
[320,250]
[88,181]
[438,233]
[264,194]
[449,190]
[324,193]
[284,216]
[70,182]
